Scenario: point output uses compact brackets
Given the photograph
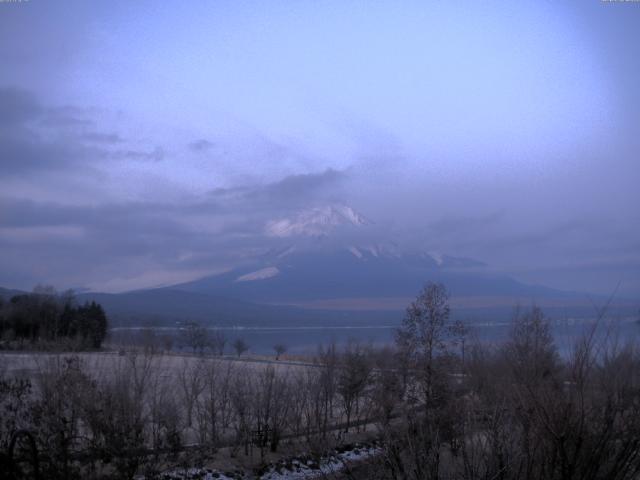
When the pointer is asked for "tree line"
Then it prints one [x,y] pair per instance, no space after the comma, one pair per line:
[45,319]
[517,409]
[441,404]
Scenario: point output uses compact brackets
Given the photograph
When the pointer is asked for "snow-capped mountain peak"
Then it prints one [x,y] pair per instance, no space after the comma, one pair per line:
[314,222]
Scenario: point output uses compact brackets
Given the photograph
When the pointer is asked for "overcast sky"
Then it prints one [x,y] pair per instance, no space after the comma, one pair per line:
[146,142]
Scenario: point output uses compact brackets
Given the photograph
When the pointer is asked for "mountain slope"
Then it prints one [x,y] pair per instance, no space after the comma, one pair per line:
[300,277]
[167,306]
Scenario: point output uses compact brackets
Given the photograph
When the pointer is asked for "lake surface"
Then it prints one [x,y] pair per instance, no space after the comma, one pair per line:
[305,340]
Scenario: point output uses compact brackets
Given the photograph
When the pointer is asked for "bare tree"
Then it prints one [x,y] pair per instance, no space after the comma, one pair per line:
[191,381]
[414,448]
[148,340]
[425,336]
[195,337]
[240,346]
[280,349]
[300,393]
[530,349]
[241,393]
[353,377]
[58,413]
[271,404]
[164,422]
[218,342]
[387,389]
[117,416]
[326,389]
[214,404]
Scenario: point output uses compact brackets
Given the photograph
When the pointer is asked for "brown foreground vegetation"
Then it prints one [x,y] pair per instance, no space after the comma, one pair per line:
[440,405]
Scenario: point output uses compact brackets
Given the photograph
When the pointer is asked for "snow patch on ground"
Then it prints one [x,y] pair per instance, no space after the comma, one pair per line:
[200,474]
[300,468]
[304,469]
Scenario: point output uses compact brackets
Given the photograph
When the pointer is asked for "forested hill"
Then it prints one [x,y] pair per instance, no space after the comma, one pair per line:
[45,319]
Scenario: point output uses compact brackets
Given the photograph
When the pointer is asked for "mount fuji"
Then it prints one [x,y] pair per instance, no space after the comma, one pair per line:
[315,222]
[329,265]
[326,258]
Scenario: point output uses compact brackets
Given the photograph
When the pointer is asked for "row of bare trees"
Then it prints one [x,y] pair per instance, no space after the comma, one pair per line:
[441,404]
[193,337]
[516,410]
[107,416]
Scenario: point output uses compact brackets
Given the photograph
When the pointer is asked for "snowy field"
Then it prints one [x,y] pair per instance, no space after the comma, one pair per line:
[101,362]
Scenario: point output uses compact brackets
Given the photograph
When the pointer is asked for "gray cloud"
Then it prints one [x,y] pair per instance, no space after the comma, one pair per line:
[17,106]
[37,138]
[23,150]
[203,234]
[22,147]
[155,155]
[201,145]
[102,138]
[290,192]
[309,187]
[67,117]
[463,225]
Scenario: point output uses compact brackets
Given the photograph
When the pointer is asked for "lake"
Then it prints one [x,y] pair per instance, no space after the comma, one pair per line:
[305,340]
